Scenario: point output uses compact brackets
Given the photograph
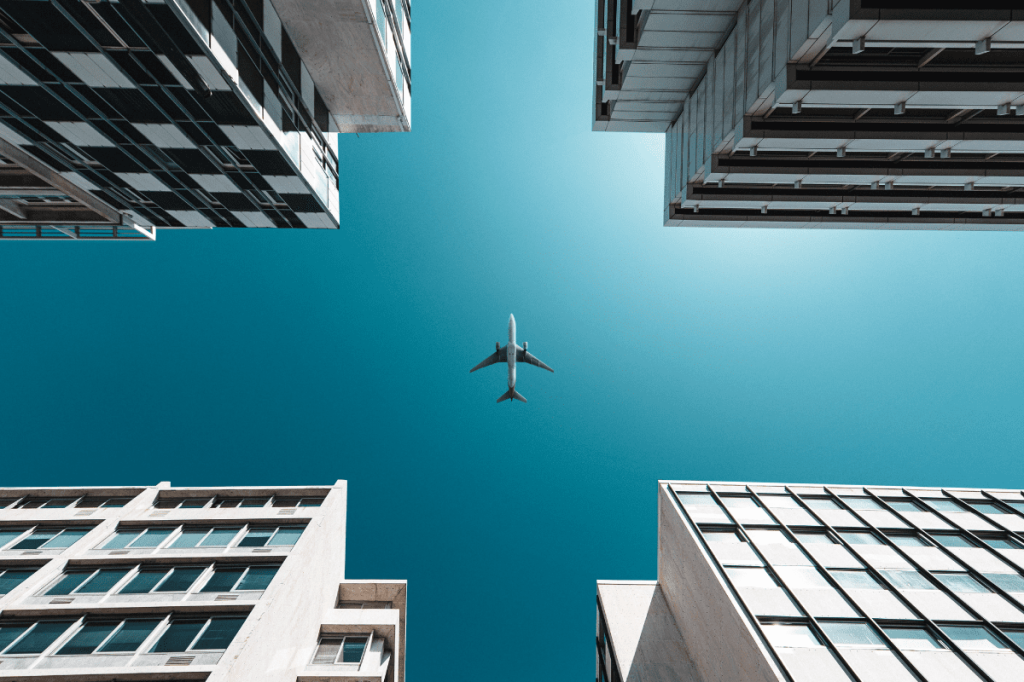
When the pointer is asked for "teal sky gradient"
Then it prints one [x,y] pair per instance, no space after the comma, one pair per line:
[284,357]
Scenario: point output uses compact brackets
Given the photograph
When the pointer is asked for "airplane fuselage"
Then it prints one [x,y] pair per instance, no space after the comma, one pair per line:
[511,353]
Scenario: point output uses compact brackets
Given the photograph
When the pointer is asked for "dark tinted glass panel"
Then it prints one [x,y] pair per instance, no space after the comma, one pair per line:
[36,540]
[223,580]
[121,539]
[311,502]
[190,538]
[220,633]
[219,537]
[39,637]
[11,579]
[9,633]
[104,580]
[951,541]
[181,579]
[130,636]
[8,535]
[194,503]
[178,636]
[143,582]
[69,583]
[258,578]
[117,502]
[88,638]
[352,650]
[152,537]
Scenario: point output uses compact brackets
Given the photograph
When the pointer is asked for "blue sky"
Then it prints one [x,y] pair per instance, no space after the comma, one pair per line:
[284,357]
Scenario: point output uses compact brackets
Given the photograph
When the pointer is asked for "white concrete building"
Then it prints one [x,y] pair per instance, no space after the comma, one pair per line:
[822,113]
[814,583]
[121,117]
[163,583]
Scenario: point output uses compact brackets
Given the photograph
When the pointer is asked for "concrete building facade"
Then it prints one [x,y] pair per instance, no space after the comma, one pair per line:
[121,117]
[818,583]
[164,583]
[822,113]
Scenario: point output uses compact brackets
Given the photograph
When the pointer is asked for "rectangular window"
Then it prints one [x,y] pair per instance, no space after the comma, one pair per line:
[178,579]
[1019,506]
[97,502]
[768,537]
[903,506]
[9,535]
[802,577]
[912,639]
[229,578]
[205,537]
[973,638]
[1016,635]
[815,539]
[861,538]
[780,502]
[704,499]
[740,503]
[849,635]
[194,503]
[342,649]
[907,541]
[298,501]
[908,580]
[856,580]
[784,635]
[1008,582]
[147,538]
[1000,543]
[32,639]
[50,539]
[952,541]
[960,583]
[722,536]
[271,537]
[821,503]
[9,579]
[988,508]
[192,634]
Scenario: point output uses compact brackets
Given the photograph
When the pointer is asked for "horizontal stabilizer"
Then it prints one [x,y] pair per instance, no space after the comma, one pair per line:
[511,394]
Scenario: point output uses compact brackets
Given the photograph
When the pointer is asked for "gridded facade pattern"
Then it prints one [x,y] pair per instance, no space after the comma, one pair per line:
[820,113]
[176,114]
[164,583]
[845,583]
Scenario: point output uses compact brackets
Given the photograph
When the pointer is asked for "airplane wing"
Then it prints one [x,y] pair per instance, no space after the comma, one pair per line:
[524,356]
[497,356]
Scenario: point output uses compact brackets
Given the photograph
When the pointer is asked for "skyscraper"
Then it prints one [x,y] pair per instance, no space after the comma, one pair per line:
[821,113]
[822,583]
[163,583]
[121,118]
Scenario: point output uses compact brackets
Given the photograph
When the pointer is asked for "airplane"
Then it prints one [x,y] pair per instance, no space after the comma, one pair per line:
[519,355]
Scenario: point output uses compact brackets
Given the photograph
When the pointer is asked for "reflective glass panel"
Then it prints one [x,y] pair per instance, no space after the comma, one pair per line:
[960,582]
[258,578]
[862,503]
[68,583]
[1016,635]
[6,536]
[815,539]
[66,539]
[944,505]
[219,537]
[907,541]
[9,633]
[178,636]
[1000,543]
[972,638]
[988,508]
[767,537]
[223,579]
[856,580]
[903,506]
[785,635]
[36,539]
[144,582]
[257,537]
[131,635]
[219,634]
[311,502]
[352,651]
[285,537]
[802,577]
[951,541]
[190,537]
[11,579]
[180,579]
[121,539]
[740,503]
[152,538]
[821,503]
[908,580]
[723,536]
[87,639]
[750,577]
[39,637]
[696,498]
[103,580]
[861,538]
[912,639]
[852,634]
[1010,582]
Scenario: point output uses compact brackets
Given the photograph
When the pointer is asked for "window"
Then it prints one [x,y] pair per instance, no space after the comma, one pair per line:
[346,649]
[46,502]
[972,638]
[861,538]
[138,539]
[271,537]
[722,536]
[907,541]
[960,583]
[30,638]
[1008,582]
[767,537]
[786,635]
[1016,635]
[908,580]
[96,502]
[232,502]
[186,503]
[1019,506]
[177,579]
[50,538]
[228,578]
[112,636]
[849,635]
[1000,543]
[382,21]
[857,580]
[298,501]
[952,541]
[780,502]
[903,505]
[944,505]
[750,577]
[815,539]
[205,537]
[912,639]
[11,578]
[802,577]
[8,535]
[862,503]
[696,498]
[88,582]
[740,503]
[197,634]
[821,503]
[988,508]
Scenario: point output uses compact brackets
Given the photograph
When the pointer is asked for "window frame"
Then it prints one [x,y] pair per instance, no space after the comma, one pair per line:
[169,621]
[32,623]
[139,534]
[4,570]
[69,635]
[41,529]
[276,528]
[369,636]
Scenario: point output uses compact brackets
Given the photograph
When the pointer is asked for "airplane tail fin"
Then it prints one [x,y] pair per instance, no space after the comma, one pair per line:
[511,394]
